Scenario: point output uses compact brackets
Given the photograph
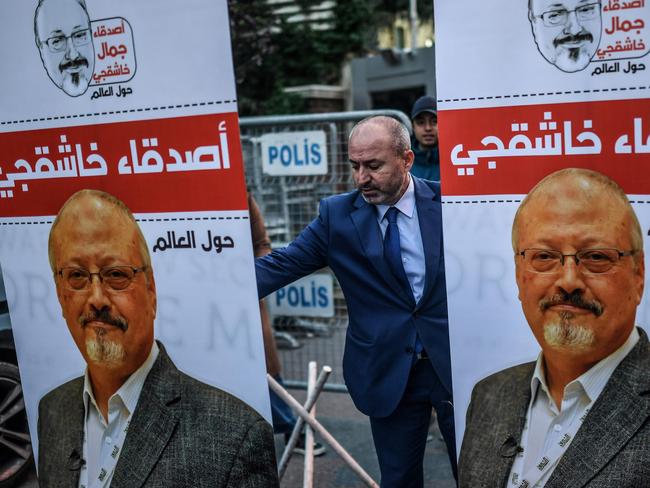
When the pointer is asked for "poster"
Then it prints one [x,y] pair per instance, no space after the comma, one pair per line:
[525,89]
[136,99]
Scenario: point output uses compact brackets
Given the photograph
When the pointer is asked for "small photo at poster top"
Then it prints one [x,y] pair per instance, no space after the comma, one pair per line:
[541,51]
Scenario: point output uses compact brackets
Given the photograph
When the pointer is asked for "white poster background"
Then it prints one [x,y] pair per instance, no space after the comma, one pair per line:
[184,65]
[487,329]
[486,57]
[208,317]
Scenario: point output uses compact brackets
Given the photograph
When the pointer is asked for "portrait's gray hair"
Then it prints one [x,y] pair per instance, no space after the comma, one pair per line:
[608,186]
[400,136]
[120,207]
[531,15]
[38,8]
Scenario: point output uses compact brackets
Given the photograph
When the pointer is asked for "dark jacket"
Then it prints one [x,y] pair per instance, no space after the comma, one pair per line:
[611,449]
[384,318]
[183,433]
[426,164]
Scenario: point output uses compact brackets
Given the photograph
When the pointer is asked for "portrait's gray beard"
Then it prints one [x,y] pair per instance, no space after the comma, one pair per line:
[102,350]
[74,84]
[567,335]
[574,54]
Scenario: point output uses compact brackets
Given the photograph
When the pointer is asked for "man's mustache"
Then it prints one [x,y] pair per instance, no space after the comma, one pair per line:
[573,38]
[106,317]
[574,298]
[74,63]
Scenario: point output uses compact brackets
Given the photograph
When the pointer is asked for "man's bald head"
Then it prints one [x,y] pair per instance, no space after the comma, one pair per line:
[582,186]
[579,266]
[97,253]
[397,132]
[96,205]
[380,155]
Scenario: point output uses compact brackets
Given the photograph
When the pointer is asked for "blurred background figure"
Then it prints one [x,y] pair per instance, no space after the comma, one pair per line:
[424,141]
[283,418]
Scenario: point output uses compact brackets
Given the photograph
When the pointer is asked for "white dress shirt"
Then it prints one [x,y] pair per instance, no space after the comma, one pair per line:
[100,435]
[410,238]
[546,425]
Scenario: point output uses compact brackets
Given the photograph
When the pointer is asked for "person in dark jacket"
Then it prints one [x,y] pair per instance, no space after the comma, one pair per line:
[424,142]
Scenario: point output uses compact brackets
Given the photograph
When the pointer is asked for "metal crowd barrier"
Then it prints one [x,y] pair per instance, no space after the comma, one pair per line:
[288,204]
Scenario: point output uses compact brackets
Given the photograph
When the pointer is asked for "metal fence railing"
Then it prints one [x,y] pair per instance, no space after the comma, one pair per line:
[288,204]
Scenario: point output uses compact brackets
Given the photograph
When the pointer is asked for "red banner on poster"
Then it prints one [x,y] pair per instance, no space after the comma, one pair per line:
[175,164]
[507,150]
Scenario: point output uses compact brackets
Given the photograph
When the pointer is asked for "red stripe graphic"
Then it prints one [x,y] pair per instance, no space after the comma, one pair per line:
[164,165]
[507,150]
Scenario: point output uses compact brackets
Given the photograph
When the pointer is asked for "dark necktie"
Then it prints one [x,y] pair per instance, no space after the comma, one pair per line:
[393,256]
[392,249]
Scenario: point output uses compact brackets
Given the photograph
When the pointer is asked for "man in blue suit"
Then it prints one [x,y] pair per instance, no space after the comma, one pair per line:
[384,243]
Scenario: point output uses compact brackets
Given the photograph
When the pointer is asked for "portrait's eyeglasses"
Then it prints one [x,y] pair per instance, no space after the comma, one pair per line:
[590,261]
[112,277]
[57,44]
[553,18]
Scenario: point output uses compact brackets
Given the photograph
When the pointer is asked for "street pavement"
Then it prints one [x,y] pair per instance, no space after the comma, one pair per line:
[339,416]
[352,430]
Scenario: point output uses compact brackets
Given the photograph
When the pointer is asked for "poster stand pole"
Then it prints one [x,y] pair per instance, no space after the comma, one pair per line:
[304,415]
[308,477]
[297,429]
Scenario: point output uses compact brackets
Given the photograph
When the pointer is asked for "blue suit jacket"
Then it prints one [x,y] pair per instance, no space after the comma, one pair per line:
[383,317]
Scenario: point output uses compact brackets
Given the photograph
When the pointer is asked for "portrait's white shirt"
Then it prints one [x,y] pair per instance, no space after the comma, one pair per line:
[546,425]
[99,434]
[410,238]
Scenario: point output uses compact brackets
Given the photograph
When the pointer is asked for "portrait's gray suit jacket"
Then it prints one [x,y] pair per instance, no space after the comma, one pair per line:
[611,449]
[183,433]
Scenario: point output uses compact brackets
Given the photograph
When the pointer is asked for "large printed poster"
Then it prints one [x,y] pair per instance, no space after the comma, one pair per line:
[525,89]
[135,99]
